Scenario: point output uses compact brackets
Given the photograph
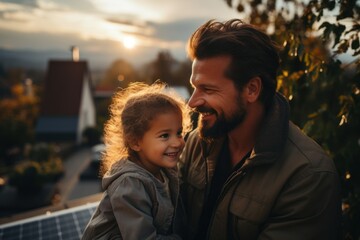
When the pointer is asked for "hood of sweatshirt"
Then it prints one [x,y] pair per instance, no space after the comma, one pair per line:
[128,167]
[124,166]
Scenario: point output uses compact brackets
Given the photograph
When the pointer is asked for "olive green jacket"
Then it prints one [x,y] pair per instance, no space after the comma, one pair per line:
[287,189]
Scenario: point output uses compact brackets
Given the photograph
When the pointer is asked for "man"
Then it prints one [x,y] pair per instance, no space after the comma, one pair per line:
[248,172]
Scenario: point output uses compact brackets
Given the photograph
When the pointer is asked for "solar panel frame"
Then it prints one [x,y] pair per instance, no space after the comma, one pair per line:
[66,224]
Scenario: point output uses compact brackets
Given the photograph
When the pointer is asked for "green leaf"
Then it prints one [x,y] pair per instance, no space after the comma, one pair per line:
[325,25]
[240,8]
[229,2]
[331,5]
[355,28]
[356,53]
[346,9]
[338,31]
[318,18]
[355,43]
[327,32]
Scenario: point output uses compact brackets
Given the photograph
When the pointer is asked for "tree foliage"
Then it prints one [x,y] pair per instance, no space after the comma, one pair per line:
[320,75]
[119,74]
[167,69]
[17,119]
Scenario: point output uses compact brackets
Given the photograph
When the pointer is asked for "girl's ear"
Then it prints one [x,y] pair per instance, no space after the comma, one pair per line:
[135,146]
[253,89]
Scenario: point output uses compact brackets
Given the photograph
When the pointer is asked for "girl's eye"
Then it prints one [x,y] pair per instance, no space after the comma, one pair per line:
[165,135]
[179,133]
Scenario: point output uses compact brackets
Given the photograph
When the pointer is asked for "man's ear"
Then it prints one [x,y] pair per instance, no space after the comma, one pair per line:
[253,89]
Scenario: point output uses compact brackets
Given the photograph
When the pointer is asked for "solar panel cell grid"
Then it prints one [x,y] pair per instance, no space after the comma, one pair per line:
[63,225]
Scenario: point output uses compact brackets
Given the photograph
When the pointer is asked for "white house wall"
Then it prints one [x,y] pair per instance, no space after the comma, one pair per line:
[87,114]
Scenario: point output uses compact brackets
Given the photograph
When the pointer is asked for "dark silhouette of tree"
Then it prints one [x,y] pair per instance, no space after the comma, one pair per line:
[168,70]
[162,68]
[119,74]
[182,75]
[17,120]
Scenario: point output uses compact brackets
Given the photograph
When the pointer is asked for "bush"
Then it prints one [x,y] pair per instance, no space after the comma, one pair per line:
[42,167]
[27,177]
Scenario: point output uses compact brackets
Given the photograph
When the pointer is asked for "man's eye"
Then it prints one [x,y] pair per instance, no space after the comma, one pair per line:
[208,90]
[179,133]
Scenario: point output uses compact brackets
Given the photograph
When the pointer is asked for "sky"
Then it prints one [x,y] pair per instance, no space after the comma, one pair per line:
[105,30]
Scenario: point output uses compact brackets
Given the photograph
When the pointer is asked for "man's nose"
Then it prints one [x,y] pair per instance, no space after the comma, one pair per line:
[195,100]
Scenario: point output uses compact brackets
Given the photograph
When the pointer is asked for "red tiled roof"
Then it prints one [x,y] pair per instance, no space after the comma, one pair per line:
[63,88]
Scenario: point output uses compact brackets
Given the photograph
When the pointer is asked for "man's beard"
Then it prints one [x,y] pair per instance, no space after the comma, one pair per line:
[222,125]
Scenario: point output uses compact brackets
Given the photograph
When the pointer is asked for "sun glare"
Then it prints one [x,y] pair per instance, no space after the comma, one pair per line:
[129,42]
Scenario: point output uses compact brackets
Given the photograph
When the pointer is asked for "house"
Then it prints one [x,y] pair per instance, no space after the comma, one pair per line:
[67,106]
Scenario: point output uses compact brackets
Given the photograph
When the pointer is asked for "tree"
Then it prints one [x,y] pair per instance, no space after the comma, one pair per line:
[17,120]
[119,74]
[324,90]
[168,70]
[182,74]
[162,68]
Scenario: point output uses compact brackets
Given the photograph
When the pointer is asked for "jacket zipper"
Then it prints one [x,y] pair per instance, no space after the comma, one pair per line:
[204,155]
[235,175]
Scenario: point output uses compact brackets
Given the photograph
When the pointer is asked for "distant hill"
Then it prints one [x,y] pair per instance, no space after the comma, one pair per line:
[28,59]
[32,59]
[38,60]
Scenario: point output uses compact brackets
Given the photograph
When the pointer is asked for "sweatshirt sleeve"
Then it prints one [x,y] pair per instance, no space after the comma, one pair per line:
[132,207]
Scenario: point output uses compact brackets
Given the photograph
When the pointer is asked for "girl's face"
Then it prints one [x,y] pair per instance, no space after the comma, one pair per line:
[162,144]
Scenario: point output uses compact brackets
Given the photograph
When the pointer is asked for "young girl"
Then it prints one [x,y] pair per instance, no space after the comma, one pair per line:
[143,138]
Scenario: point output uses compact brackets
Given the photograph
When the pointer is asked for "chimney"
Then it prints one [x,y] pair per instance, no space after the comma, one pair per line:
[28,84]
[75,53]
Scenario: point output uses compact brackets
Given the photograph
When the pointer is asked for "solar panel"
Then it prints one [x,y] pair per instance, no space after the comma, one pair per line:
[67,224]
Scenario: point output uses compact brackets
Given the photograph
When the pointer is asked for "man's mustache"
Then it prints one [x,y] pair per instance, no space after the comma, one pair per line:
[203,109]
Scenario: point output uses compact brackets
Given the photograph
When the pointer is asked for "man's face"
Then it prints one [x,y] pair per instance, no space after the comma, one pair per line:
[215,97]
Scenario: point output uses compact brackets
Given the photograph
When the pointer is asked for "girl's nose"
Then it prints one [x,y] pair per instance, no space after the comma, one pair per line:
[177,142]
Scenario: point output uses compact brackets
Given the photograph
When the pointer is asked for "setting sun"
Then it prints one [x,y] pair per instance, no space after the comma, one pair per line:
[129,42]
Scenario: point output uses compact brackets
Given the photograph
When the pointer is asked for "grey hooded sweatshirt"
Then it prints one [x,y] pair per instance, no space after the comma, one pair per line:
[135,205]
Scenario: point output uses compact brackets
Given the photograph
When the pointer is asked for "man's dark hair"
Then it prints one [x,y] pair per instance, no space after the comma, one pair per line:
[252,52]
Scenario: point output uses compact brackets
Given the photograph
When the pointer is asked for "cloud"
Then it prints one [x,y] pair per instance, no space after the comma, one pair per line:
[28,3]
[10,12]
[44,41]
[99,52]
[127,22]
[142,10]
[100,26]
[77,5]
[26,10]
[177,30]
[165,32]
[131,26]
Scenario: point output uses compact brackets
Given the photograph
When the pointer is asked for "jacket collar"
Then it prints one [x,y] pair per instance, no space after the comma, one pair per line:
[273,134]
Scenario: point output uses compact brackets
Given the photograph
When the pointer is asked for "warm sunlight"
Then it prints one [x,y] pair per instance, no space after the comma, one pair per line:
[129,42]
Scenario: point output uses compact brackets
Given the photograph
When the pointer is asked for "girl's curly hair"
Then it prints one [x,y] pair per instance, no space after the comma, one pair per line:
[131,112]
